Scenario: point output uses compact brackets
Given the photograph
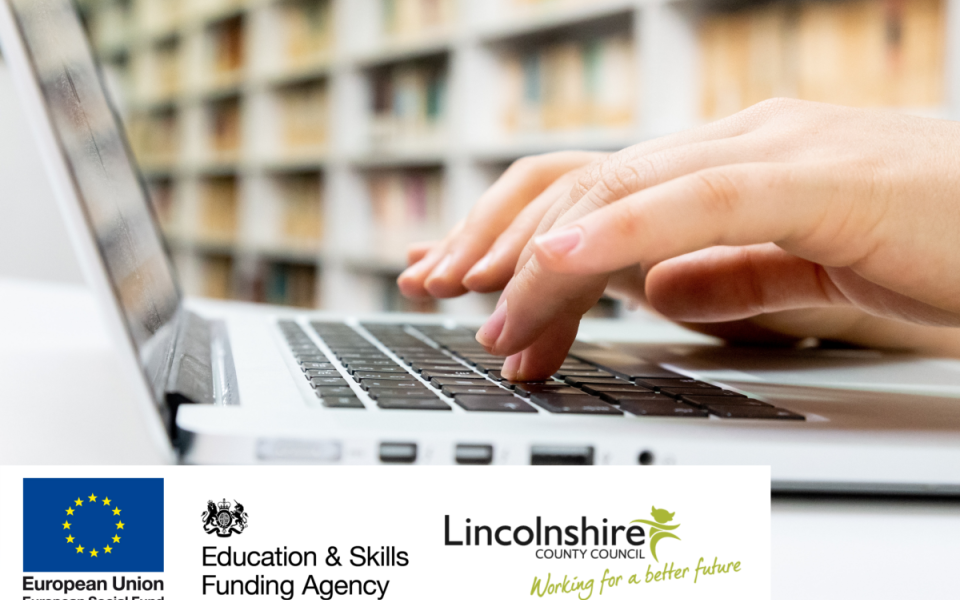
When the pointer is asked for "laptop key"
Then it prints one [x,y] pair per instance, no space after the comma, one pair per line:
[322,373]
[582,404]
[461,373]
[343,401]
[661,408]
[597,388]
[719,392]
[393,369]
[657,383]
[333,392]
[369,384]
[412,403]
[315,365]
[493,403]
[755,412]
[738,400]
[618,397]
[374,376]
[470,390]
[578,381]
[327,381]
[377,393]
[525,388]
[369,364]
[434,363]
[495,375]
[581,373]
[444,382]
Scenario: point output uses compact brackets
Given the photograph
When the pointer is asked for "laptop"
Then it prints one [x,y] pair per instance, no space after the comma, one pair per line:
[235,383]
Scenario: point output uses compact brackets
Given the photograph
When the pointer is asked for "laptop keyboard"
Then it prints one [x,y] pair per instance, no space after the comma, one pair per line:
[431,367]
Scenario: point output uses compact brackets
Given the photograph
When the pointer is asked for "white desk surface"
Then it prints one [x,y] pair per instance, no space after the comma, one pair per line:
[61,402]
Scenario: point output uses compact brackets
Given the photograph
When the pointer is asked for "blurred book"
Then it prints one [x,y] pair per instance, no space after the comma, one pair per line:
[155,137]
[880,53]
[291,285]
[409,18]
[226,51]
[217,276]
[571,85]
[157,16]
[218,210]
[302,210]
[225,128]
[409,103]
[406,206]
[167,69]
[308,26]
[304,114]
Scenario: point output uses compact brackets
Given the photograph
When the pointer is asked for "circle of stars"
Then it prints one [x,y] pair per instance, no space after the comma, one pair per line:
[93,552]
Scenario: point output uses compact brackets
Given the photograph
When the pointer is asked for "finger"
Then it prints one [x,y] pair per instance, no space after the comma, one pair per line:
[636,169]
[544,357]
[416,252]
[728,284]
[494,270]
[526,179]
[737,205]
[529,308]
[411,281]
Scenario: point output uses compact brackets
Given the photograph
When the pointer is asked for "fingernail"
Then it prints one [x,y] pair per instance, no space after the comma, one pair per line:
[491,330]
[413,270]
[560,243]
[441,269]
[511,366]
[480,268]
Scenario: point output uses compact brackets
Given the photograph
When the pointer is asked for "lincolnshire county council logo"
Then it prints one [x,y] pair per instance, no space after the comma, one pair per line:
[223,519]
[659,529]
[92,525]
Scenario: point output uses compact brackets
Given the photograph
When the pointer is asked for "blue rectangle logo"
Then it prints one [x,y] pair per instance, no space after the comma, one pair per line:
[92,525]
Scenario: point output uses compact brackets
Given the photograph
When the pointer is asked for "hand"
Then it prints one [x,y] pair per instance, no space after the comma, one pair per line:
[481,252]
[786,206]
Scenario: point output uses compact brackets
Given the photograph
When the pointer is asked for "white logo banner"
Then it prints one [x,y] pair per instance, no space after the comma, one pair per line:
[384,533]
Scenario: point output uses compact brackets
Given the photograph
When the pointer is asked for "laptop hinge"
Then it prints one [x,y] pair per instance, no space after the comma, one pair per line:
[201,370]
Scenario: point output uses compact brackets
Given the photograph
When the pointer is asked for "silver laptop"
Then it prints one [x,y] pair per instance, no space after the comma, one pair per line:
[231,383]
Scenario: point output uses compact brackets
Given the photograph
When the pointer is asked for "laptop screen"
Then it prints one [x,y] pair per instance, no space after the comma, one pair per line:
[106,180]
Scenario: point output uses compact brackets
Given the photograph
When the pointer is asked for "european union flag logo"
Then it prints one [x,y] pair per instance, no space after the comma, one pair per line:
[91,525]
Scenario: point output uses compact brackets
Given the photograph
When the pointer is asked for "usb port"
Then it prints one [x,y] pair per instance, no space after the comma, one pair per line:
[474,454]
[561,455]
[392,452]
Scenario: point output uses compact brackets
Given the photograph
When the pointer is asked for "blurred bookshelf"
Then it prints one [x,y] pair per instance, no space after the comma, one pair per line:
[294,148]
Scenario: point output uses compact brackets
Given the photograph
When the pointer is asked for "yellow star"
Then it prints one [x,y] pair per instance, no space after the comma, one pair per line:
[116,539]
[79,549]
[66,524]
[92,498]
[107,549]
[78,502]
[69,511]
[119,524]
[93,553]
[106,501]
[69,539]
[116,511]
